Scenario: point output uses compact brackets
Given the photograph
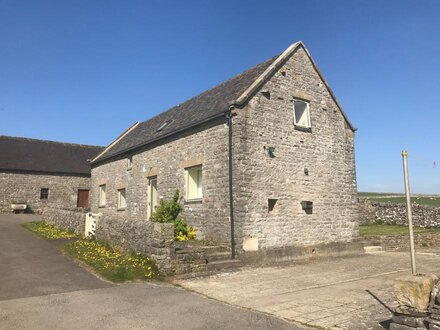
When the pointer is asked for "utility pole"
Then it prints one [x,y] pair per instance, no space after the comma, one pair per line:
[409,212]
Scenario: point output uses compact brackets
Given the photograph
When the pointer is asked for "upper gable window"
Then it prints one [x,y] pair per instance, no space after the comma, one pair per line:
[301,114]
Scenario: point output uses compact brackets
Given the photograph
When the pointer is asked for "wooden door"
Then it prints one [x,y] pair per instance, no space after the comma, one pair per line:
[83,198]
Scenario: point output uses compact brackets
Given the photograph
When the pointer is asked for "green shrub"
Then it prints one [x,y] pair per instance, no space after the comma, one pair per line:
[168,212]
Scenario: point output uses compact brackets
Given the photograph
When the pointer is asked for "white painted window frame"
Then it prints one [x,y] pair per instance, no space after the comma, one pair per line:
[295,122]
[199,195]
[102,196]
[129,163]
[122,199]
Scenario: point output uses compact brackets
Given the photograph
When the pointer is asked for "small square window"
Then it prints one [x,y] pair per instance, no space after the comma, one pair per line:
[44,193]
[121,199]
[129,162]
[101,196]
[301,114]
[194,183]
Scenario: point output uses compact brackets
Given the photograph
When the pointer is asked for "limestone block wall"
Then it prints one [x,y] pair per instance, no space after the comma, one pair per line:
[206,145]
[316,165]
[25,187]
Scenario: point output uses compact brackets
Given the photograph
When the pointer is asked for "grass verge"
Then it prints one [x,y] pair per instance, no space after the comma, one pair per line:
[112,264]
[383,229]
[46,231]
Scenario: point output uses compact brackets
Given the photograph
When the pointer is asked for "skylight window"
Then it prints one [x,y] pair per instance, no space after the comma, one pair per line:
[165,124]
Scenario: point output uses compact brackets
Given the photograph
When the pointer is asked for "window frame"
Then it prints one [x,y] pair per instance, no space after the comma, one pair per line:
[102,201]
[295,121]
[124,199]
[129,163]
[199,195]
[44,193]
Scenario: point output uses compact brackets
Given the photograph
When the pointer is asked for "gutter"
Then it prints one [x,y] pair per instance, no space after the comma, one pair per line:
[231,197]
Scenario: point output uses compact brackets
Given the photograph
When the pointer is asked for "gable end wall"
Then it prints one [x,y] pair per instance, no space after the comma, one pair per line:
[327,152]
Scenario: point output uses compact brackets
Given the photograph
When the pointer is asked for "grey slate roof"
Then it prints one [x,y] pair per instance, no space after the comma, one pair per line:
[23,154]
[210,104]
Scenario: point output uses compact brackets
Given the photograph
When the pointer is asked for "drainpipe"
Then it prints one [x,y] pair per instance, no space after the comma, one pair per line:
[231,197]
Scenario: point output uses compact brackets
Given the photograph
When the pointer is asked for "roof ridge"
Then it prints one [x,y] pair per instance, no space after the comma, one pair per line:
[50,141]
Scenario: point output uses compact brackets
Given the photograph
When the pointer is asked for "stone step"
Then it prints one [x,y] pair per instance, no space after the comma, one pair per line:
[205,249]
[218,256]
[224,264]
[216,249]
[373,249]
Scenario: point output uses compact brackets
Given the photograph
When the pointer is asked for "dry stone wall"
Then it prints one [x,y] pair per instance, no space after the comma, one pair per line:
[68,219]
[25,187]
[396,213]
[401,242]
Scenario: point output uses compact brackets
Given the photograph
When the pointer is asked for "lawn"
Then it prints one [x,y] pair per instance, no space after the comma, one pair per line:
[112,264]
[46,231]
[382,229]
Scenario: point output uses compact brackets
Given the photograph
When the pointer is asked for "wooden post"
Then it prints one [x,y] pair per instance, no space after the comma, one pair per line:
[409,211]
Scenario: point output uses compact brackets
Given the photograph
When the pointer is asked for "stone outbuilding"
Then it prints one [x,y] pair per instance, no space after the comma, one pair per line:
[265,163]
[41,174]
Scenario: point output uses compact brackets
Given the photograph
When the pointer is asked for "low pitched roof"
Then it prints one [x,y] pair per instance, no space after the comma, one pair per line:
[209,105]
[23,154]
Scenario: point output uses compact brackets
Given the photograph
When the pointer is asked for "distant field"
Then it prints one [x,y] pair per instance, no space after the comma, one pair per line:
[400,198]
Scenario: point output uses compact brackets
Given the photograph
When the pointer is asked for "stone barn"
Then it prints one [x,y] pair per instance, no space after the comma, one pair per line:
[265,163]
[40,174]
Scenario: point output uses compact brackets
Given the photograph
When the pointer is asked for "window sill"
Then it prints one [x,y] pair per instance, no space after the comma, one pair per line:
[101,206]
[129,169]
[121,209]
[303,129]
[194,201]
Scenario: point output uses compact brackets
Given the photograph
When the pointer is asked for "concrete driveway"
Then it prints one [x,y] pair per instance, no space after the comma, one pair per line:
[346,293]
[42,289]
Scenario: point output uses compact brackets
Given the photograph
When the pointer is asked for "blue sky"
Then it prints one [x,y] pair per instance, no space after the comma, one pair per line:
[83,71]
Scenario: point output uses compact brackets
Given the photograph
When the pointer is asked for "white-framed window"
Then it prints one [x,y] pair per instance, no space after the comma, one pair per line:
[194,182]
[301,114]
[129,162]
[121,199]
[101,195]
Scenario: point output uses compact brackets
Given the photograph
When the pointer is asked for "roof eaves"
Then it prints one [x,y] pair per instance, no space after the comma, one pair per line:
[140,145]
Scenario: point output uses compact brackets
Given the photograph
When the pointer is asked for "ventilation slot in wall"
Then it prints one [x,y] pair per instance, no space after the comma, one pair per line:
[271,203]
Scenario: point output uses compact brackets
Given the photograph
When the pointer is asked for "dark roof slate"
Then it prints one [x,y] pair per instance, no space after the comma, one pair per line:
[209,104]
[23,154]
